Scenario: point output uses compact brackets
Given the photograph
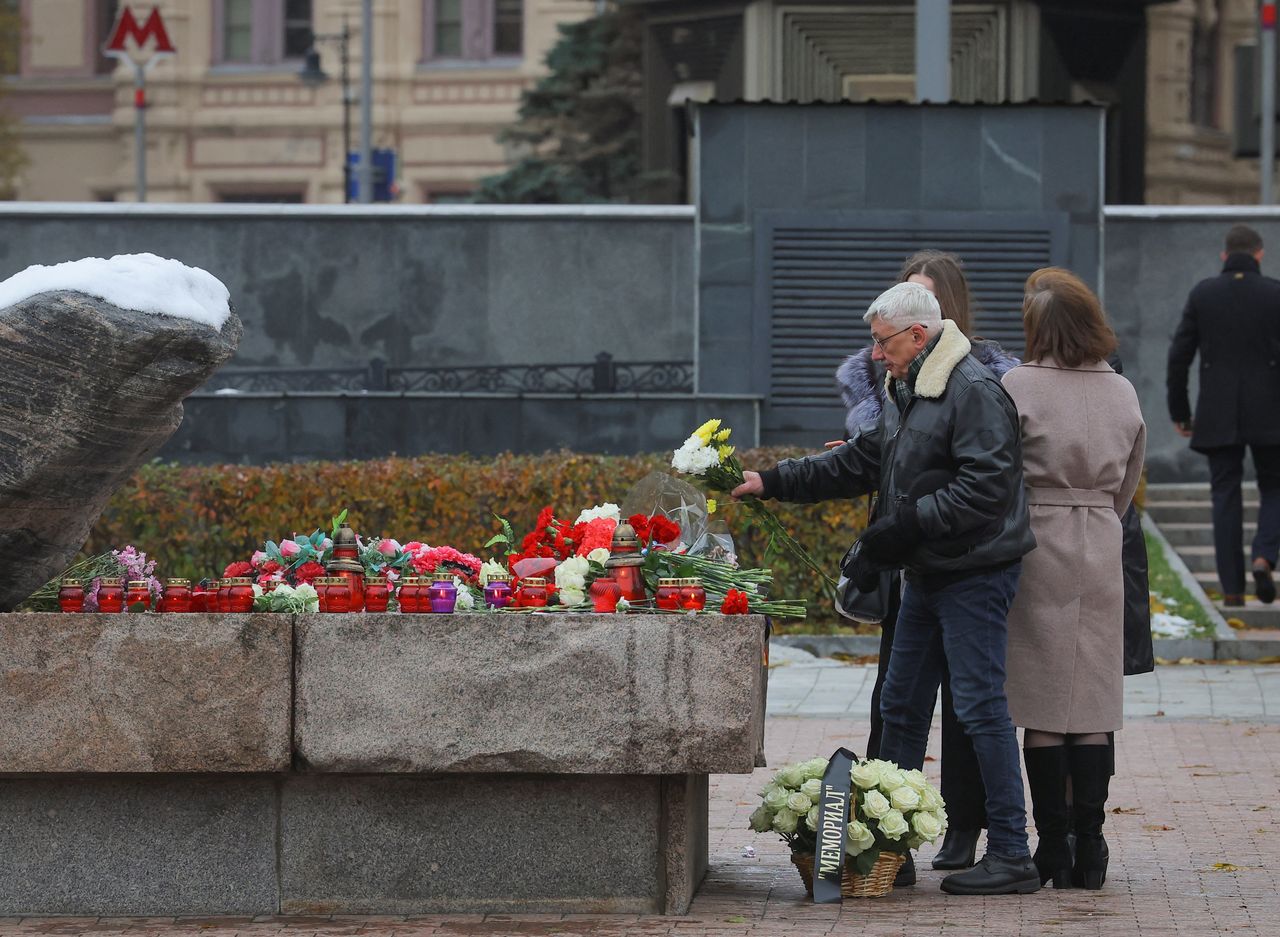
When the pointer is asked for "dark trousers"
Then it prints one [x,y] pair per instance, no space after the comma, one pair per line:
[961,779]
[1226,472]
[964,625]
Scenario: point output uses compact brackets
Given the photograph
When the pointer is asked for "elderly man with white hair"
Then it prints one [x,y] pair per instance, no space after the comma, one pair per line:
[947,463]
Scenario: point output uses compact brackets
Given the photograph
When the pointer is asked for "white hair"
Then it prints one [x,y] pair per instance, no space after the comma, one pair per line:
[906,304]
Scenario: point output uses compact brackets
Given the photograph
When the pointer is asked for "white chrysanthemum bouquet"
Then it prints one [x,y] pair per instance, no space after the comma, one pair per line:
[707,455]
[891,810]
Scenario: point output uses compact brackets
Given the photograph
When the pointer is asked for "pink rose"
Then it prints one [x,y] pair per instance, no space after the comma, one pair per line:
[258,558]
[288,548]
[388,547]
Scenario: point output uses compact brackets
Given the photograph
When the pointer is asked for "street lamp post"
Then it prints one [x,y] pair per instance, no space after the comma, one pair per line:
[312,74]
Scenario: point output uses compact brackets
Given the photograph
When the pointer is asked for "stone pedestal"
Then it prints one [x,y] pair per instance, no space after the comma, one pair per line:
[150,764]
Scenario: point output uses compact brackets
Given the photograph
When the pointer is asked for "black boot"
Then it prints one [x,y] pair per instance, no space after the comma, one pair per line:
[1090,781]
[1047,774]
[906,874]
[995,875]
[959,847]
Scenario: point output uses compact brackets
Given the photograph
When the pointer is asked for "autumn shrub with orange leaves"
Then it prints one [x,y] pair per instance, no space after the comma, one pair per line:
[196,519]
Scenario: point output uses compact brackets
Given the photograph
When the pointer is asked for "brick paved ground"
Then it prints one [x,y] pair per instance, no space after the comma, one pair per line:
[1191,792]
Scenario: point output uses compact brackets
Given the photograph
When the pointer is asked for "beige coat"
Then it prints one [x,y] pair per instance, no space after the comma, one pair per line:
[1083,440]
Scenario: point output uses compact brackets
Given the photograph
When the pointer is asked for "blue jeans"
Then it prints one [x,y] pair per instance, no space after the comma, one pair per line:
[963,624]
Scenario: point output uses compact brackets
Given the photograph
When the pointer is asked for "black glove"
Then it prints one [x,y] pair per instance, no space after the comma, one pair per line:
[864,574]
[889,541]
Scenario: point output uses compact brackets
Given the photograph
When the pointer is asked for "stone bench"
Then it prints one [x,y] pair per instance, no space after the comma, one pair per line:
[212,764]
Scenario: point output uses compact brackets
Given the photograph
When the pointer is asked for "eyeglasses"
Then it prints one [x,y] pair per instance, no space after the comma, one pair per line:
[881,342]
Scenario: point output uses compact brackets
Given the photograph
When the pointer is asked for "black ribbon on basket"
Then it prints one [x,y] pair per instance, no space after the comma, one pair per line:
[833,820]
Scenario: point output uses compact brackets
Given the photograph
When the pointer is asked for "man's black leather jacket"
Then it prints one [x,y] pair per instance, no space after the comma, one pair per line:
[967,426]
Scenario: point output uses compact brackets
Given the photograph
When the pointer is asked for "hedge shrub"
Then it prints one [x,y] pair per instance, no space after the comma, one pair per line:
[194,520]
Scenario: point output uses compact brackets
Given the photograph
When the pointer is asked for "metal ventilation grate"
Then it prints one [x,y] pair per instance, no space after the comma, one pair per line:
[823,280]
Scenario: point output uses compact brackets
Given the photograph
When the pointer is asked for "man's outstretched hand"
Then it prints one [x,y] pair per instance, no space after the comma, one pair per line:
[751,485]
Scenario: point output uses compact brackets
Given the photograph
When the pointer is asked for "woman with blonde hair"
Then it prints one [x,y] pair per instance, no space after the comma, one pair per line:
[862,381]
[1083,440]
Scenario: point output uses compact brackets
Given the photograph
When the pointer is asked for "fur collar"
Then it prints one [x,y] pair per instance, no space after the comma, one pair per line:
[952,348]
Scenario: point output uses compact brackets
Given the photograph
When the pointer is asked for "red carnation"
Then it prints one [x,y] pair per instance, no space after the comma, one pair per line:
[308,571]
[640,523]
[735,603]
[237,569]
[270,566]
[663,530]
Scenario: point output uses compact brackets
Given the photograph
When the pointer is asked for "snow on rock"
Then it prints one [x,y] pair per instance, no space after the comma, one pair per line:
[137,282]
[1164,625]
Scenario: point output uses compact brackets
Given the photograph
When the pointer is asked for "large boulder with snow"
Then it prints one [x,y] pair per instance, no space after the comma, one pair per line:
[96,357]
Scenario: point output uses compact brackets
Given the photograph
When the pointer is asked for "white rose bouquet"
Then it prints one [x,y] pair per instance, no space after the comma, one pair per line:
[890,809]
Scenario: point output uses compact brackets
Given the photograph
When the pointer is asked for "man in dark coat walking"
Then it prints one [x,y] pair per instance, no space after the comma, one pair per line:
[1233,321]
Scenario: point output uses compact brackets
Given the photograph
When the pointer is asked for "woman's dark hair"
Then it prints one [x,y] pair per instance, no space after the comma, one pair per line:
[949,284]
[1063,320]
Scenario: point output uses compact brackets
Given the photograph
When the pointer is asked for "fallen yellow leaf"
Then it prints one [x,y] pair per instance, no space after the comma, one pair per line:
[1226,867]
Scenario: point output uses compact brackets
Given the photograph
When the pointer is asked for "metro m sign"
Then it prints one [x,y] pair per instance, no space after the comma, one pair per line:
[143,45]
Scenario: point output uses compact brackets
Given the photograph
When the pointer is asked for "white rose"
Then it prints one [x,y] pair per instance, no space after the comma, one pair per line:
[859,838]
[571,574]
[599,556]
[775,799]
[761,819]
[815,767]
[927,825]
[875,805]
[488,569]
[904,798]
[866,775]
[890,779]
[784,821]
[798,803]
[930,799]
[812,789]
[465,600]
[572,597]
[811,819]
[893,825]
[792,776]
[915,780]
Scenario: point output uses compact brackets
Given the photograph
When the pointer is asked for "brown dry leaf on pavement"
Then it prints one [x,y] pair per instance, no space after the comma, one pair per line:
[1155,827]
[1126,810]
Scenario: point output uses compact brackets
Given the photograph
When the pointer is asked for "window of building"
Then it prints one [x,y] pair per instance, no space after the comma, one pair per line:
[266,197]
[261,32]
[1205,64]
[473,29]
[106,10]
[10,37]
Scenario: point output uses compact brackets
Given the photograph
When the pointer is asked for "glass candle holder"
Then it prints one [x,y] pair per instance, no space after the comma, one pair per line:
[375,594]
[605,593]
[693,596]
[223,602]
[177,596]
[138,594]
[338,594]
[497,592]
[443,596]
[240,595]
[408,594]
[532,593]
[321,585]
[71,595]
[111,595]
[668,595]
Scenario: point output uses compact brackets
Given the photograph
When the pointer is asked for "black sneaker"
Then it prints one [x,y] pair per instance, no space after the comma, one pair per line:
[995,875]
[1263,584]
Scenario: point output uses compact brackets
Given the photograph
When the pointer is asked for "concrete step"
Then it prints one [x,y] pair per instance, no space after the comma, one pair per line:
[1191,512]
[1194,491]
[1198,534]
[1198,559]
[1253,614]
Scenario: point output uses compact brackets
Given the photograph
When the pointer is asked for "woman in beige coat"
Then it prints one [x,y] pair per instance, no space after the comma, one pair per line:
[1083,441]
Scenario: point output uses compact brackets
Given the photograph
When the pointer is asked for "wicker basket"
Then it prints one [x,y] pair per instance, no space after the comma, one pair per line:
[876,884]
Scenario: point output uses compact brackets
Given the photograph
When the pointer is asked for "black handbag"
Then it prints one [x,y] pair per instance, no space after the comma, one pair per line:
[865,607]
[1139,655]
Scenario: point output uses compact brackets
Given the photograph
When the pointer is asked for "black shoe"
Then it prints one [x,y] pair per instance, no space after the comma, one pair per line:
[959,849]
[906,874]
[995,875]
[1232,600]
[1090,781]
[1263,584]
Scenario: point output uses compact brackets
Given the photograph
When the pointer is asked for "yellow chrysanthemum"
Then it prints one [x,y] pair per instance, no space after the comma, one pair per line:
[722,436]
[725,452]
[706,430]
[711,505]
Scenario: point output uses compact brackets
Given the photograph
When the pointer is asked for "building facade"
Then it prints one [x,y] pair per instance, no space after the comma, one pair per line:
[229,118]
